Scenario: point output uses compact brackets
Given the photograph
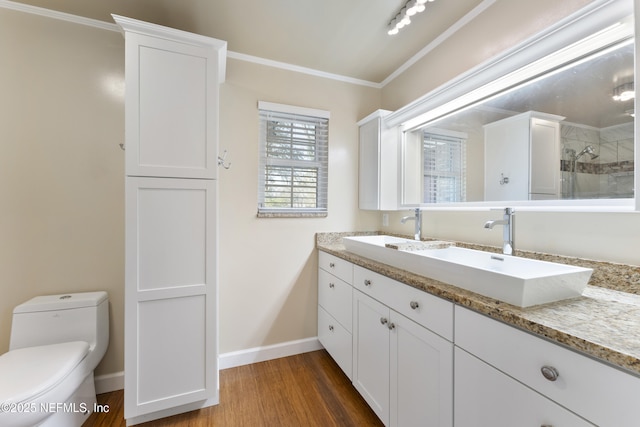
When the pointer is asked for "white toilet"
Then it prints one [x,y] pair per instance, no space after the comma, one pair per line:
[46,378]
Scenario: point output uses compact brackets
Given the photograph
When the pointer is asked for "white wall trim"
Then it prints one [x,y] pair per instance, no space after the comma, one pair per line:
[40,11]
[261,354]
[109,382]
[48,13]
[115,381]
[302,70]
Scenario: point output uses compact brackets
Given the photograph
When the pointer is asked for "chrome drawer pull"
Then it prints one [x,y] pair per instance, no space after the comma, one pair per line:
[331,285]
[391,326]
[550,373]
[331,327]
[367,282]
[414,305]
[384,320]
[331,265]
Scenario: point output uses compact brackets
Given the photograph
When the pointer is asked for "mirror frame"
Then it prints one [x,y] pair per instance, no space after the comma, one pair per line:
[596,26]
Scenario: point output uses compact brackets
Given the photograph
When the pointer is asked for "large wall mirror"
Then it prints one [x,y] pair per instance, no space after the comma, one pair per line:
[557,130]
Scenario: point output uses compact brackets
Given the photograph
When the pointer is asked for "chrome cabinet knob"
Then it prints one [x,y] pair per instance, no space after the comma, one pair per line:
[367,282]
[331,265]
[331,285]
[391,326]
[331,327]
[550,373]
[384,320]
[414,305]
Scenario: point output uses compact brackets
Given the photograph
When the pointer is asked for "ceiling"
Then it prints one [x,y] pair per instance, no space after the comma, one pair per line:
[580,93]
[343,37]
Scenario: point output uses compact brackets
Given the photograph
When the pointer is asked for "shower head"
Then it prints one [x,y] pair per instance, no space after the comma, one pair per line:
[588,150]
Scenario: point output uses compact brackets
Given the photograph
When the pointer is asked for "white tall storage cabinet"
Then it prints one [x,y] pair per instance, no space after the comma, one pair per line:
[522,157]
[171,126]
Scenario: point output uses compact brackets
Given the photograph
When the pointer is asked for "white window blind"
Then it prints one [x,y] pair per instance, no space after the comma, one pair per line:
[293,160]
[444,168]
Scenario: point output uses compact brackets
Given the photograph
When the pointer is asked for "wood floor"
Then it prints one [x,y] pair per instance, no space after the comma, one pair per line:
[304,390]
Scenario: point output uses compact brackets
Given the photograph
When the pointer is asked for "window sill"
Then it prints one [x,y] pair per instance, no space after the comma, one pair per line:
[280,214]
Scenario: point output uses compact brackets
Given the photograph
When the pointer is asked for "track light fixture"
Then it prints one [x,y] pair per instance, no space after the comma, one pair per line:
[624,92]
[403,18]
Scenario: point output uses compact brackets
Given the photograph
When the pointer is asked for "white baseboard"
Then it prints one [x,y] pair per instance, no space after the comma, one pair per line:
[261,354]
[109,382]
[112,382]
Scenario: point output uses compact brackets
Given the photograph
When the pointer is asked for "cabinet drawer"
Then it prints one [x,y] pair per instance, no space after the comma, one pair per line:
[428,310]
[583,385]
[485,396]
[337,266]
[336,340]
[335,297]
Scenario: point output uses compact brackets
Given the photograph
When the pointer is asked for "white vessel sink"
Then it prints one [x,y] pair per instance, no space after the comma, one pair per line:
[519,281]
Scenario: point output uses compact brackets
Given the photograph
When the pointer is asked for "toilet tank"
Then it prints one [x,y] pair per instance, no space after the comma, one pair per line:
[53,319]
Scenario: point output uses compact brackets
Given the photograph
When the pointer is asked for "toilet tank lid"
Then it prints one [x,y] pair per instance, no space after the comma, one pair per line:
[62,302]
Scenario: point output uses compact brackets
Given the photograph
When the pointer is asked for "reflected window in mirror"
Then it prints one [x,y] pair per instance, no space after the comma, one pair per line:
[445,157]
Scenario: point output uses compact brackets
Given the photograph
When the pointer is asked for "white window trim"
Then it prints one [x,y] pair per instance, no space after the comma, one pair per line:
[290,212]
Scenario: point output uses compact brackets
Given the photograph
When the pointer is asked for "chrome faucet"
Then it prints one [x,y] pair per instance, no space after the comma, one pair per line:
[508,233]
[417,217]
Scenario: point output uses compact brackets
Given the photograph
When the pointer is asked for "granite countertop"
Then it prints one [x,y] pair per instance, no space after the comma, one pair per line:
[603,323]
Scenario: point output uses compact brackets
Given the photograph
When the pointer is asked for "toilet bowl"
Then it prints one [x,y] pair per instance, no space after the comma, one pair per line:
[47,374]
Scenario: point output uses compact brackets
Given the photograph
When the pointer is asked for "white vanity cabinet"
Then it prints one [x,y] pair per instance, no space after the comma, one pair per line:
[334,309]
[171,131]
[377,168]
[522,157]
[506,377]
[401,365]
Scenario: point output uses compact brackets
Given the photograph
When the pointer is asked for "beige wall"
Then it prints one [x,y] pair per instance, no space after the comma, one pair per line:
[61,170]
[268,266]
[62,186]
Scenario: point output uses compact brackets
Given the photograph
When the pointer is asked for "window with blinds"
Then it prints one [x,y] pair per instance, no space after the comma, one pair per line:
[293,161]
[444,168]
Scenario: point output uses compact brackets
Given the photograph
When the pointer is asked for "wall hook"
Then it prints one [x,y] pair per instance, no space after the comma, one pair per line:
[504,180]
[221,160]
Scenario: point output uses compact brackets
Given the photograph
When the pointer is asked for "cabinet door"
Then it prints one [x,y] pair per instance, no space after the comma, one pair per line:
[545,158]
[170,297]
[378,164]
[336,340]
[369,165]
[421,373]
[506,155]
[485,396]
[371,353]
[171,121]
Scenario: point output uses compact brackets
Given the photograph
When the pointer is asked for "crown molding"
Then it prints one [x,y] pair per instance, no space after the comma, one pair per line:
[48,13]
[95,23]
[484,5]
[299,69]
